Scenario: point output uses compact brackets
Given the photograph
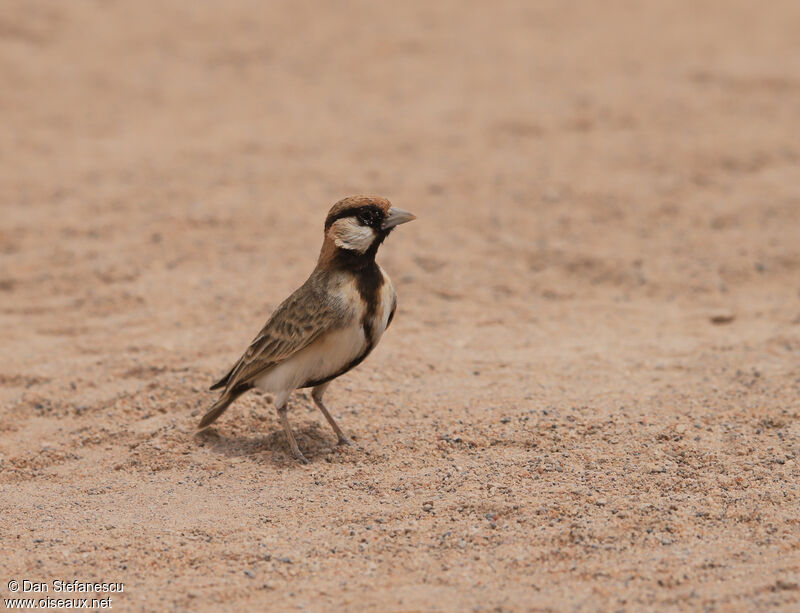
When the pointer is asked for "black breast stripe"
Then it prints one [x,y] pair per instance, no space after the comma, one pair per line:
[391,313]
[369,283]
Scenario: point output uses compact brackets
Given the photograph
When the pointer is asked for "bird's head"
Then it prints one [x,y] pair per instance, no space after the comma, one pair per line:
[356,226]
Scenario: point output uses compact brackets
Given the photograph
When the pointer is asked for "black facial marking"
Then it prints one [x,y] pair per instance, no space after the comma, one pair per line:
[369,215]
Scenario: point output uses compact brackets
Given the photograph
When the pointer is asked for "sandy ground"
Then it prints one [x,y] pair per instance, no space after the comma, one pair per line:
[589,397]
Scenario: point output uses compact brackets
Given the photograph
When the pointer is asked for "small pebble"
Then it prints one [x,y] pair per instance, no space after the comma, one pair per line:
[722,317]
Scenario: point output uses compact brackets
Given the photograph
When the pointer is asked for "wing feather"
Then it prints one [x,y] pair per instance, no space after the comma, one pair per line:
[302,318]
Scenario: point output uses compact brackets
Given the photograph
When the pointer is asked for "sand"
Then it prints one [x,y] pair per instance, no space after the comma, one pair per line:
[589,397]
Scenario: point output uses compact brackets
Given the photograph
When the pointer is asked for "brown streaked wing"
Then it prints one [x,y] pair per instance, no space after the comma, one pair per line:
[296,323]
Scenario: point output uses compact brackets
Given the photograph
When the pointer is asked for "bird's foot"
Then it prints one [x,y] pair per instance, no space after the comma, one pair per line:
[343,440]
[298,455]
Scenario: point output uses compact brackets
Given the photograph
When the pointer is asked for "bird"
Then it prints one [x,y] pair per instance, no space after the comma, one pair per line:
[329,325]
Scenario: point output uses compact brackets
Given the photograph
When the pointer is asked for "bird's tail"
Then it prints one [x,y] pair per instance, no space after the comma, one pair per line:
[219,407]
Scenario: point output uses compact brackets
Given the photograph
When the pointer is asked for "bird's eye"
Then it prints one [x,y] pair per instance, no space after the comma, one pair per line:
[367,217]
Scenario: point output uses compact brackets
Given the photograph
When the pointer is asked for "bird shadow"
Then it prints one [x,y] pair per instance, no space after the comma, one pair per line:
[314,442]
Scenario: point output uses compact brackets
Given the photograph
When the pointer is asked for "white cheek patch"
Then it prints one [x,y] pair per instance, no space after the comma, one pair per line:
[351,235]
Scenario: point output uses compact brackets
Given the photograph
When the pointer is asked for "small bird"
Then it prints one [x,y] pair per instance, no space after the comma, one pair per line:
[327,326]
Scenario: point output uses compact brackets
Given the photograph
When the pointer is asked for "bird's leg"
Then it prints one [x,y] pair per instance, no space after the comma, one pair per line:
[282,408]
[316,394]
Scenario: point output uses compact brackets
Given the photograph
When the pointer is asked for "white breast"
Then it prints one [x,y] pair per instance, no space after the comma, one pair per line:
[385,306]
[324,357]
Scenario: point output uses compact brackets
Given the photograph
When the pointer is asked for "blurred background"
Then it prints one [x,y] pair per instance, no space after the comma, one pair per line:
[640,142]
[608,202]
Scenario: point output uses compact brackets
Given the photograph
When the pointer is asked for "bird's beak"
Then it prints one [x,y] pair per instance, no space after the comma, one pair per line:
[395,216]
